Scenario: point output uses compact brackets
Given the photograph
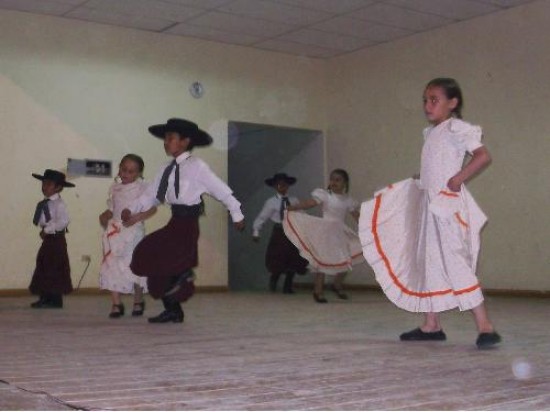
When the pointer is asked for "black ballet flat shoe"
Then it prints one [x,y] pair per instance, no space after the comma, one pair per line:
[319,299]
[418,334]
[168,316]
[116,311]
[340,293]
[139,308]
[487,340]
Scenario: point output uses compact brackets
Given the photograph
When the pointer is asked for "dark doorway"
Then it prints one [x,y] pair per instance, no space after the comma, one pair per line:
[256,152]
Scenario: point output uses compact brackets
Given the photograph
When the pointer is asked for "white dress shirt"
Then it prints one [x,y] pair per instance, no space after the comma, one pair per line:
[271,210]
[196,178]
[58,213]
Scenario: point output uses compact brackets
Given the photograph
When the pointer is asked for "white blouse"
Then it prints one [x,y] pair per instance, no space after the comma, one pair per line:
[445,147]
[123,196]
[335,206]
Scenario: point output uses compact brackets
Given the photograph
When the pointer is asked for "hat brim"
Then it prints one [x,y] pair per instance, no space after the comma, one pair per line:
[198,137]
[271,181]
[40,177]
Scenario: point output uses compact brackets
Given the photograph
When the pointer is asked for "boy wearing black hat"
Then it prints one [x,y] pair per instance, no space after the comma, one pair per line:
[167,257]
[52,275]
[281,255]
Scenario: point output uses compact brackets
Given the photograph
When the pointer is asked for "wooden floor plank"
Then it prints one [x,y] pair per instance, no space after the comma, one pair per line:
[259,351]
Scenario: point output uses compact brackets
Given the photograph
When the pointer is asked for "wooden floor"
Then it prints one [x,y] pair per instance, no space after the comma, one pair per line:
[260,351]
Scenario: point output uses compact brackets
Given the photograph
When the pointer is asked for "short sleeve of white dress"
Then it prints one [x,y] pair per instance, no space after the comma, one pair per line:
[320,195]
[465,136]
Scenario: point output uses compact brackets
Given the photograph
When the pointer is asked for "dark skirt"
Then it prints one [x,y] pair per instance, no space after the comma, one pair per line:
[52,274]
[282,256]
[167,253]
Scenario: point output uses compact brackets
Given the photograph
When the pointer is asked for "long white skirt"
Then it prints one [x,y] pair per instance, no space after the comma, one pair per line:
[423,246]
[118,245]
[329,246]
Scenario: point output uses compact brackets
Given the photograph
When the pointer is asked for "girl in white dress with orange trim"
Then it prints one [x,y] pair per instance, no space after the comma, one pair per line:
[120,239]
[422,237]
[330,246]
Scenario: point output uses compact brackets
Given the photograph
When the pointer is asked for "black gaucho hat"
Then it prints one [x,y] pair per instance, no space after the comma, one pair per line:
[185,128]
[54,176]
[272,181]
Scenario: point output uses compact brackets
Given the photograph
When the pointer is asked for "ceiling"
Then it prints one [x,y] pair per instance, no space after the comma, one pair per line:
[314,28]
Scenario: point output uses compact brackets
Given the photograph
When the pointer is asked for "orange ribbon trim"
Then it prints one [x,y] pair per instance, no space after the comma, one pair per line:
[319,262]
[374,231]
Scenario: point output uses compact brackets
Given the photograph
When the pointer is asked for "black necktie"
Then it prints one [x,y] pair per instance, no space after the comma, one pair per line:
[284,204]
[41,206]
[163,186]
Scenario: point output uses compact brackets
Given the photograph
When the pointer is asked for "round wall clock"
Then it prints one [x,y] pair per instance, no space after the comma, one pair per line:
[196,89]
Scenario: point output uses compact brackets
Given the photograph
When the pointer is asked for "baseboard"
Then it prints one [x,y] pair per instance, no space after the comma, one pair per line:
[524,293]
[490,292]
[518,293]
[11,293]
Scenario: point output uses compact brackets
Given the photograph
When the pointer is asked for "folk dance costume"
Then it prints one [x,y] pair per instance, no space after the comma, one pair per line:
[166,257]
[328,244]
[421,239]
[281,255]
[52,275]
[119,241]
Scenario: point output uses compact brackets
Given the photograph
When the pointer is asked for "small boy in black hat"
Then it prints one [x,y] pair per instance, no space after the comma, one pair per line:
[167,257]
[281,255]
[52,275]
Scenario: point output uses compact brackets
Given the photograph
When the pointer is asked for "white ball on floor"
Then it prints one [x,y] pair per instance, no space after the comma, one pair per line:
[522,369]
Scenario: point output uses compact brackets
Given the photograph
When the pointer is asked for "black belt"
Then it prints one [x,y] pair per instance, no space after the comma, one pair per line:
[186,210]
[56,234]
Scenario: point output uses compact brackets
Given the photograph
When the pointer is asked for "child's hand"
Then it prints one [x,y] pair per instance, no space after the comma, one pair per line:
[239,225]
[104,218]
[132,220]
[454,184]
[125,215]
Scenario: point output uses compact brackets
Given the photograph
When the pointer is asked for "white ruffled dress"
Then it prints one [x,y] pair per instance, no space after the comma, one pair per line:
[119,241]
[421,239]
[327,243]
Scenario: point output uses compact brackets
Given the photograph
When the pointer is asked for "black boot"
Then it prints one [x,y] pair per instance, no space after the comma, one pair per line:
[287,287]
[49,301]
[178,282]
[55,300]
[39,303]
[273,282]
[172,312]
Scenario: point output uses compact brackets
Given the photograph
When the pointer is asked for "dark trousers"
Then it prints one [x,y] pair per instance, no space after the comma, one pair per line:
[181,284]
[287,286]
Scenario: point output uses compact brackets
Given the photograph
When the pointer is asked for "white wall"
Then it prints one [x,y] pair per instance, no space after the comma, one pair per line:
[74,89]
[502,62]
[81,90]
